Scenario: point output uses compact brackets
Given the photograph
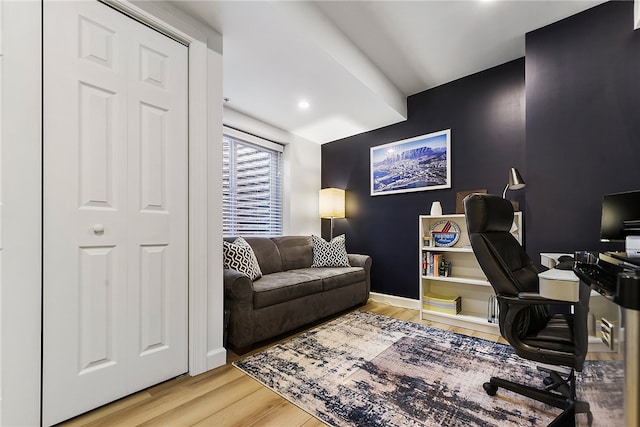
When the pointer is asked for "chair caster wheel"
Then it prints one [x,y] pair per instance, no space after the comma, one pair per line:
[490,389]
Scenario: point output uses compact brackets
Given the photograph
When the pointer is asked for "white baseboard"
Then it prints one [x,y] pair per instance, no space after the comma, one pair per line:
[217,357]
[403,302]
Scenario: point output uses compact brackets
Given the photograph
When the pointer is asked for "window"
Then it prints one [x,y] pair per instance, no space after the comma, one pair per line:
[252,186]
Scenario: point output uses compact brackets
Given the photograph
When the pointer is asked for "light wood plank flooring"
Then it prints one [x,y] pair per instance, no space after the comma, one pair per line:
[227,397]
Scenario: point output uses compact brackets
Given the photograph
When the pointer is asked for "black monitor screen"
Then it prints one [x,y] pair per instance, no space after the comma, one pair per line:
[620,216]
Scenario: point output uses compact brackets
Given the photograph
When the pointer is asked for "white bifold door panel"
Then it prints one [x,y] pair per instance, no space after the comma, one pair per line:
[115,208]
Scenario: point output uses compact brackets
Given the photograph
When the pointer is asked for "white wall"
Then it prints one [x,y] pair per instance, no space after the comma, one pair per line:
[303,161]
[21,210]
[215,294]
[301,172]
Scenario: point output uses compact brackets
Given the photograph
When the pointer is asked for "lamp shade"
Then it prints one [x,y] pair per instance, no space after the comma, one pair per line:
[515,180]
[331,203]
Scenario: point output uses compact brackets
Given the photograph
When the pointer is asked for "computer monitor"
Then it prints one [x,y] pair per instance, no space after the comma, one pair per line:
[620,217]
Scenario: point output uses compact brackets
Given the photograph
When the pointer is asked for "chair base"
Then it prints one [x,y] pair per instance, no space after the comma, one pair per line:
[559,393]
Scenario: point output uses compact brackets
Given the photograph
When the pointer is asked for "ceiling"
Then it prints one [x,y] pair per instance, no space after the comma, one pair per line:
[355,62]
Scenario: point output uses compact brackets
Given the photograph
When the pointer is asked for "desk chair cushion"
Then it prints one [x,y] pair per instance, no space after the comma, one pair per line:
[556,335]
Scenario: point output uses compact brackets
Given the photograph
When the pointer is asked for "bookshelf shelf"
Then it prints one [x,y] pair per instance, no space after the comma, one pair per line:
[445,249]
[465,278]
[463,319]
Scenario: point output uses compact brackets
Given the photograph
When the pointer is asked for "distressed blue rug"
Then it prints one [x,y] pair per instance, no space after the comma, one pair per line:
[364,369]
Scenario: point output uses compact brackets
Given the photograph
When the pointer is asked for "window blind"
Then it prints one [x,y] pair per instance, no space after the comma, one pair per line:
[252,188]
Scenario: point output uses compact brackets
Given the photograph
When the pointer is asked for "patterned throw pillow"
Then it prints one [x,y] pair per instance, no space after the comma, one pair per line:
[330,254]
[239,256]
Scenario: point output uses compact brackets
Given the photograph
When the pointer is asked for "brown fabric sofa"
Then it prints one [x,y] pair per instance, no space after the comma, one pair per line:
[290,292]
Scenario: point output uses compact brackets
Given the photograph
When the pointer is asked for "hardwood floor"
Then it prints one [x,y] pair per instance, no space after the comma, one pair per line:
[227,397]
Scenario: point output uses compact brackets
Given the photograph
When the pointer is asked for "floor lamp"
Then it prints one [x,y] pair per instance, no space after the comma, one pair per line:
[331,202]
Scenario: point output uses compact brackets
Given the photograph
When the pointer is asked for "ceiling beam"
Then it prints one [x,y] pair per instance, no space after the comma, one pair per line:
[331,40]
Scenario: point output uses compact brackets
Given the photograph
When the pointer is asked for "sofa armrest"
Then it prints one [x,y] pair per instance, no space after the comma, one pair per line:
[237,286]
[238,299]
[364,261]
[357,260]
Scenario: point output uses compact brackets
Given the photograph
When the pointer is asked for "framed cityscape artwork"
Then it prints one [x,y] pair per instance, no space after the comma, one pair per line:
[415,164]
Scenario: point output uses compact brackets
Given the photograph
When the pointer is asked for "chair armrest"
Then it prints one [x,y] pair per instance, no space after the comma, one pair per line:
[532,298]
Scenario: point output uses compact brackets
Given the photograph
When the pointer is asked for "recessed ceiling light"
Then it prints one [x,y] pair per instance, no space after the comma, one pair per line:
[303,105]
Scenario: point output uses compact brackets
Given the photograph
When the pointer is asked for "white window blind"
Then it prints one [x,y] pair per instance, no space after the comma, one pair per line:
[252,186]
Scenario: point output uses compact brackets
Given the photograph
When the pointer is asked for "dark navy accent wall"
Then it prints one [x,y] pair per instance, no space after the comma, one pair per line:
[582,124]
[485,113]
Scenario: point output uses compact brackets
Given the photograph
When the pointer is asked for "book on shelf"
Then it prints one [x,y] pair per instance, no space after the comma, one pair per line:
[425,263]
[448,310]
[442,303]
[432,296]
[431,262]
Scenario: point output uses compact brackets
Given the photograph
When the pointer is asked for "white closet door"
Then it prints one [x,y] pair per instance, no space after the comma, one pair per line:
[115,208]
[157,206]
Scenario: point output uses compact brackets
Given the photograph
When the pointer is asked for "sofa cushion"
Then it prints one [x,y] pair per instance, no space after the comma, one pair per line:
[295,251]
[267,254]
[284,286]
[336,277]
[330,254]
[240,257]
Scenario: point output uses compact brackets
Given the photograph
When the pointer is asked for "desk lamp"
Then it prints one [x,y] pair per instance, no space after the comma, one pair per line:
[515,183]
[331,205]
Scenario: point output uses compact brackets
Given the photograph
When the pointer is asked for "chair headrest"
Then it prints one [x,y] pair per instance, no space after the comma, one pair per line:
[487,212]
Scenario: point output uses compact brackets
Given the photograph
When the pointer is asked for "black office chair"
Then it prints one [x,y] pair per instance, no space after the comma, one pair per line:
[526,319]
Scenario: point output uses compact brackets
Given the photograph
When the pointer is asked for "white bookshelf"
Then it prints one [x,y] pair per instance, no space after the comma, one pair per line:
[466,278]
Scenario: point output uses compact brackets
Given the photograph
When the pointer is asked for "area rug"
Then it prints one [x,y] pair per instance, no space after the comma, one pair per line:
[363,369]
